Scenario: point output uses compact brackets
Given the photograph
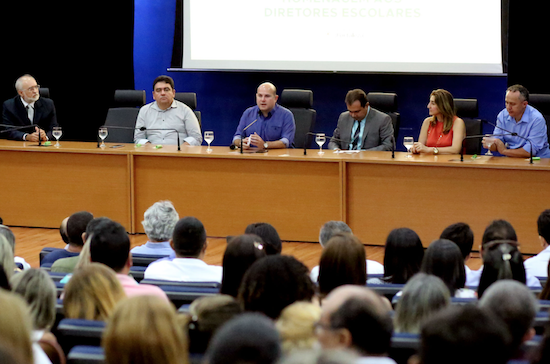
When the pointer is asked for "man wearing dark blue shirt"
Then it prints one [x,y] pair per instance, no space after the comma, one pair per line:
[266,125]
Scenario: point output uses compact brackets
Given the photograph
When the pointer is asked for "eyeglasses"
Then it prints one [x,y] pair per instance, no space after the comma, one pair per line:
[33,88]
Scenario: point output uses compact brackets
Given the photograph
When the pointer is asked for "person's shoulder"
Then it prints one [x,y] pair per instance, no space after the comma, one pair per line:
[535,113]
[10,103]
[45,101]
[182,105]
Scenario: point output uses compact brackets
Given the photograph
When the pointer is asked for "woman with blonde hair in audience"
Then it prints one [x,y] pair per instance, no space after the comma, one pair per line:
[442,132]
[423,295]
[92,293]
[296,326]
[15,329]
[145,330]
[37,288]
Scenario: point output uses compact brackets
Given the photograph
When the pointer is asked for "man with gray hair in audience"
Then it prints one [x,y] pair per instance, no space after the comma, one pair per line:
[516,306]
[328,230]
[158,221]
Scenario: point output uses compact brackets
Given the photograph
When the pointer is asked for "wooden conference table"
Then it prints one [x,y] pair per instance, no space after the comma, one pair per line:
[227,190]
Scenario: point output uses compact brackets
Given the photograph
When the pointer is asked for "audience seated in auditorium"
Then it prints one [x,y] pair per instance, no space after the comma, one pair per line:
[145,330]
[206,315]
[423,296]
[403,255]
[16,330]
[68,265]
[502,260]
[538,265]
[75,227]
[463,334]
[269,235]
[498,230]
[249,338]
[110,245]
[346,312]
[517,307]
[331,228]
[444,260]
[158,222]
[296,326]
[189,242]
[462,235]
[274,282]
[241,252]
[443,131]
[343,261]
[10,237]
[92,293]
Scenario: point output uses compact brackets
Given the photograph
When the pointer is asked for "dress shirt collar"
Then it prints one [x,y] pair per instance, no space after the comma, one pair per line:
[270,113]
[25,103]
[173,106]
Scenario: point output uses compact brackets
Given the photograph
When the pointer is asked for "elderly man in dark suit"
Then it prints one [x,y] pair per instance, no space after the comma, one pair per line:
[362,127]
[27,108]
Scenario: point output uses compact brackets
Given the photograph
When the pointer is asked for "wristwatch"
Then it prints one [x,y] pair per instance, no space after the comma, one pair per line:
[265,145]
[436,151]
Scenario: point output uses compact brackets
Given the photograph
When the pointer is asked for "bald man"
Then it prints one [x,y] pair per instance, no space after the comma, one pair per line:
[266,125]
[28,108]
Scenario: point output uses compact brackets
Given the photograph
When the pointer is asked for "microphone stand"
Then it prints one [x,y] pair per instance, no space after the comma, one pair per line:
[13,127]
[475,137]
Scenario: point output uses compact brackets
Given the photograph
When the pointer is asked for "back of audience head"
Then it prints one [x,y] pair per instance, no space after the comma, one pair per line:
[92,293]
[444,260]
[462,235]
[159,221]
[269,235]
[501,260]
[9,235]
[240,253]
[403,255]
[274,282]
[189,238]
[110,245]
[498,230]
[250,338]
[144,330]
[349,322]
[76,226]
[206,315]
[464,334]
[6,257]
[38,290]
[423,296]
[543,227]
[296,326]
[515,305]
[343,261]
[15,326]
[331,228]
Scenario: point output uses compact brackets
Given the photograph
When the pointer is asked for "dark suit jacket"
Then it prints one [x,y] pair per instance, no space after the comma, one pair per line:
[376,136]
[14,113]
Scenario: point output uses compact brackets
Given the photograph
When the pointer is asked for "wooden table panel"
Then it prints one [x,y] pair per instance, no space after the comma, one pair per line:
[227,194]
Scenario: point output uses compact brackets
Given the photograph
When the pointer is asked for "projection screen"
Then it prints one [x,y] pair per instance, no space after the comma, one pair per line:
[426,36]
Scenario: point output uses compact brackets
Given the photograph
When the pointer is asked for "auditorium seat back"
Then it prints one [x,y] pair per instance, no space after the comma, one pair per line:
[300,103]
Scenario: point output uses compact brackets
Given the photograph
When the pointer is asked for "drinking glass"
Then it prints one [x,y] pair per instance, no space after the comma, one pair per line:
[57,132]
[103,132]
[209,138]
[320,139]
[408,143]
[489,141]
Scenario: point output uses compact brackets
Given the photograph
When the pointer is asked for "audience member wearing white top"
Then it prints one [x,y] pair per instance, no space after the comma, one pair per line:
[538,265]
[473,277]
[373,267]
[184,270]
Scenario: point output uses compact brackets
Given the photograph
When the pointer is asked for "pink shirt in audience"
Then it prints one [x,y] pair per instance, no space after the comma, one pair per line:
[133,288]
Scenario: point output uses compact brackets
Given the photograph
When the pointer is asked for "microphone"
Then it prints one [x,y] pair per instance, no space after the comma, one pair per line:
[474,137]
[20,127]
[516,135]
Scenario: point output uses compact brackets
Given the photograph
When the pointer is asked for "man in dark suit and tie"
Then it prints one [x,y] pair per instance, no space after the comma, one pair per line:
[362,127]
[27,108]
